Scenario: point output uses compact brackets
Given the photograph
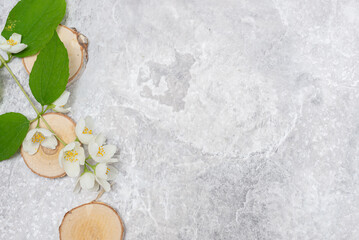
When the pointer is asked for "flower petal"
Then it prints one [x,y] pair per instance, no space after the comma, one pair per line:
[77,144]
[80,126]
[110,150]
[4,47]
[81,154]
[50,142]
[17,48]
[62,100]
[93,149]
[99,159]
[95,187]
[103,183]
[71,168]
[30,147]
[87,180]
[2,40]
[16,37]
[112,173]
[61,157]
[61,109]
[100,139]
[105,171]
[44,132]
[101,170]
[112,160]
[58,109]
[30,134]
[89,122]
[85,138]
[69,147]
[77,186]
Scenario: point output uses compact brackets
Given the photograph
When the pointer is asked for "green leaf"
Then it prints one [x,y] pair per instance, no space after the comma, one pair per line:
[50,73]
[13,129]
[36,21]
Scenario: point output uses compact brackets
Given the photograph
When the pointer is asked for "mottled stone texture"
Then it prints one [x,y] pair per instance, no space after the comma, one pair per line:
[236,119]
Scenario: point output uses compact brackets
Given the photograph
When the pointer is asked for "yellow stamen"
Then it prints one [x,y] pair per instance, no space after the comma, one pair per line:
[100,152]
[37,138]
[107,170]
[87,131]
[11,42]
[71,156]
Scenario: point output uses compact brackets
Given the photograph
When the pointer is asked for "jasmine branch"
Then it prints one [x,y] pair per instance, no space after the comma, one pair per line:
[39,115]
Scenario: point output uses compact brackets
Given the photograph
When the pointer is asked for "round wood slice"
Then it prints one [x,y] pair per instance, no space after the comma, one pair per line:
[45,162]
[92,221]
[76,45]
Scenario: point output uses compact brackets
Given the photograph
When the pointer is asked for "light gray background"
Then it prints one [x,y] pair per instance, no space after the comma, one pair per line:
[235,120]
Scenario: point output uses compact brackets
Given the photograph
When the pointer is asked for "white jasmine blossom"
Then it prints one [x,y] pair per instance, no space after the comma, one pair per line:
[84,130]
[59,104]
[100,152]
[13,45]
[104,173]
[37,137]
[87,181]
[71,157]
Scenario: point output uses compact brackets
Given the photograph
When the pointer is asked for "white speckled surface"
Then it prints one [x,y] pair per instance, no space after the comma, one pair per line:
[235,120]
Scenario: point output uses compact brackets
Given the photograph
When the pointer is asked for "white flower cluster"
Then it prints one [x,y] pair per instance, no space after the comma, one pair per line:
[95,169]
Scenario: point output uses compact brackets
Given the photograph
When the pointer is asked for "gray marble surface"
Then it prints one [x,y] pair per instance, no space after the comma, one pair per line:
[234,120]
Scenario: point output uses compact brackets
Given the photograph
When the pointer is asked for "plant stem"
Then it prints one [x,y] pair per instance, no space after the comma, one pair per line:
[18,83]
[33,120]
[91,166]
[47,108]
[28,98]
[48,126]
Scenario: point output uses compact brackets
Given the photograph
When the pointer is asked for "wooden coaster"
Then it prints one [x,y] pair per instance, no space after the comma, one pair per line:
[76,45]
[91,221]
[45,162]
